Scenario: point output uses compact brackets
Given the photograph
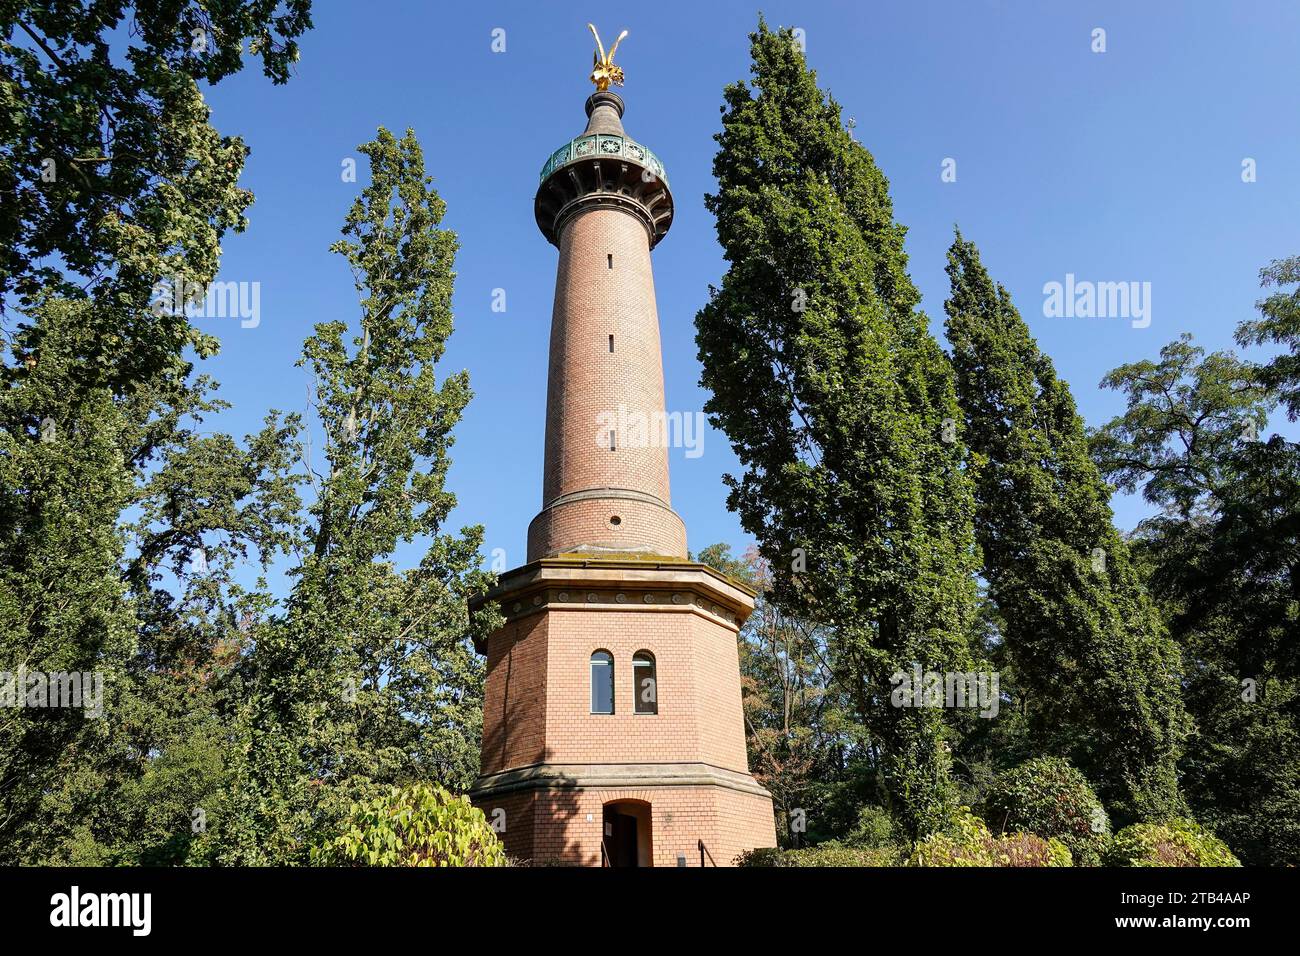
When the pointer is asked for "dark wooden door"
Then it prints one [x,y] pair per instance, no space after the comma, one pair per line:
[620,838]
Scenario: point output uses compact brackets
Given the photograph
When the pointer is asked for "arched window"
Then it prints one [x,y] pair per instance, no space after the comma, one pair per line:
[645,685]
[602,683]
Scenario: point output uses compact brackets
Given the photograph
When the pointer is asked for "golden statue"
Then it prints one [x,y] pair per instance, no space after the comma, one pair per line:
[605,72]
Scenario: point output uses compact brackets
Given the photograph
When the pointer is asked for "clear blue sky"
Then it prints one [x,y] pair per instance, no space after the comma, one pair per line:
[1118,166]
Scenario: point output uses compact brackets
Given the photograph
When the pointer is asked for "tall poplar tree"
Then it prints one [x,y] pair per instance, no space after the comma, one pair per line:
[369,677]
[1093,659]
[840,405]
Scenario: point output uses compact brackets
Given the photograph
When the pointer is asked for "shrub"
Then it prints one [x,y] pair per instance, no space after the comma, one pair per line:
[968,842]
[418,825]
[1048,797]
[1030,849]
[831,853]
[1176,842]
[874,828]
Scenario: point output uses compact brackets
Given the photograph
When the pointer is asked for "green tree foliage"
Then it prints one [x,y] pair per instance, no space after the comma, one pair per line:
[1183,427]
[1048,797]
[369,677]
[1279,324]
[986,748]
[81,590]
[235,729]
[834,396]
[1100,675]
[417,825]
[115,181]
[63,606]
[1221,563]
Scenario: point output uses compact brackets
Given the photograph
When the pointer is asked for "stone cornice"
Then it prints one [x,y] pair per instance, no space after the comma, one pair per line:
[621,583]
[613,776]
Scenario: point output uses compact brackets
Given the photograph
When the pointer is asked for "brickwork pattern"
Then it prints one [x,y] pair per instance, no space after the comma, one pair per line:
[699,720]
[514,696]
[685,767]
[564,827]
[584,525]
[698,692]
[604,286]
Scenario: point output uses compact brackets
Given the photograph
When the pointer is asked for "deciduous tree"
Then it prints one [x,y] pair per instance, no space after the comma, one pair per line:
[835,397]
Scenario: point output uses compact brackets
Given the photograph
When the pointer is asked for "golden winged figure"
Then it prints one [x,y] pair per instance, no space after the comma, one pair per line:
[605,71]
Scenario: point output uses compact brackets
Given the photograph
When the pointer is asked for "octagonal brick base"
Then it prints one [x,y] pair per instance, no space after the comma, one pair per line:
[549,765]
[563,827]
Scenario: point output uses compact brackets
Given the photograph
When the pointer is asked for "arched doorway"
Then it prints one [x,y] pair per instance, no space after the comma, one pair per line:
[626,838]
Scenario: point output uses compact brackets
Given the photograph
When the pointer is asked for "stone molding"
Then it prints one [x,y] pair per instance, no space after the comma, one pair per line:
[613,776]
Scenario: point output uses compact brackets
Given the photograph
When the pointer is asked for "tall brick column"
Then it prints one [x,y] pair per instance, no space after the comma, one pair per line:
[605,204]
[608,572]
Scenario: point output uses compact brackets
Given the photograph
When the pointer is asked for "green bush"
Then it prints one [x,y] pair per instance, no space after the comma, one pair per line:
[1030,849]
[418,825]
[968,842]
[831,853]
[874,829]
[1048,797]
[1176,842]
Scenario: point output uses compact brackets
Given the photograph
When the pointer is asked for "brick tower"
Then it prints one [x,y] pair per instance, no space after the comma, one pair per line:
[612,726]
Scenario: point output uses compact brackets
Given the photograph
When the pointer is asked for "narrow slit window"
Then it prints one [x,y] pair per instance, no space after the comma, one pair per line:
[611,343]
[613,446]
[610,259]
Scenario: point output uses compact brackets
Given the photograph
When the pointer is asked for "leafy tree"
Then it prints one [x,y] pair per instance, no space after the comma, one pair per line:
[834,396]
[986,748]
[1279,325]
[82,591]
[1186,418]
[1221,563]
[116,182]
[1099,672]
[369,678]
[63,606]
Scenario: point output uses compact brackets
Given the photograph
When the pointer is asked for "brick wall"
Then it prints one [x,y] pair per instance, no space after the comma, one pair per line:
[585,525]
[514,696]
[537,710]
[699,716]
[591,389]
[564,827]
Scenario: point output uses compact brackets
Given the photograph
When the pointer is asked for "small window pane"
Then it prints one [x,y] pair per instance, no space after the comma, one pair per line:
[602,683]
[644,683]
